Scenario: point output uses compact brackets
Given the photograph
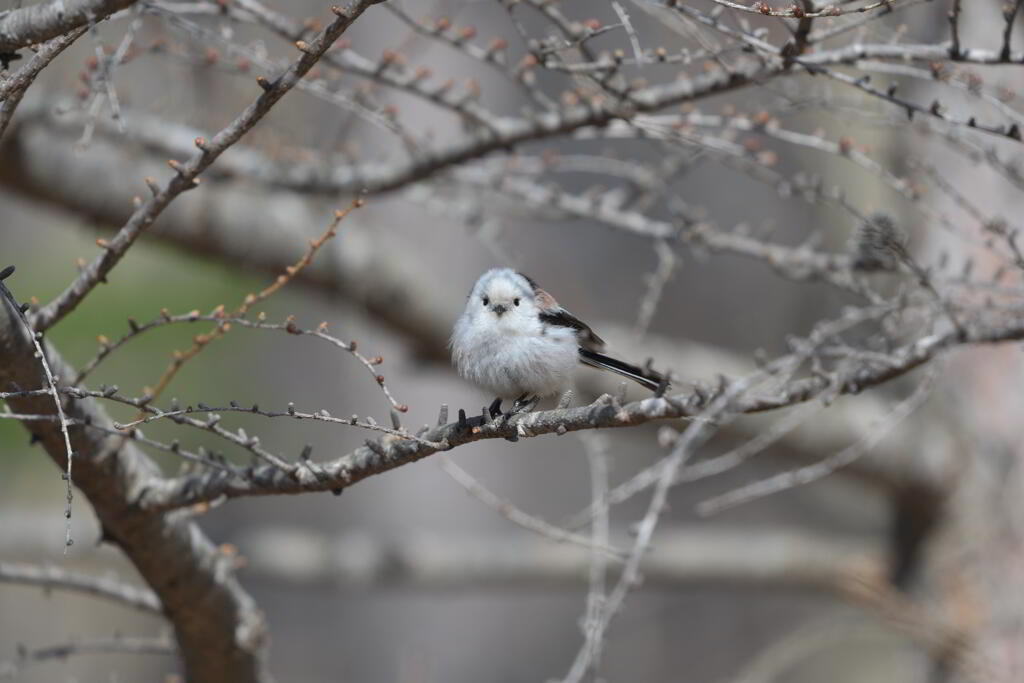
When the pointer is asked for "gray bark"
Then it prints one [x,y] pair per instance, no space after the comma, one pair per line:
[220,631]
[33,24]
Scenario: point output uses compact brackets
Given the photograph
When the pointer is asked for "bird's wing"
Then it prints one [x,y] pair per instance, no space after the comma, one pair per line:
[563,318]
[553,314]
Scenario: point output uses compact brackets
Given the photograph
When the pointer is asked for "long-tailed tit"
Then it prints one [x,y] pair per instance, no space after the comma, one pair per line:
[516,341]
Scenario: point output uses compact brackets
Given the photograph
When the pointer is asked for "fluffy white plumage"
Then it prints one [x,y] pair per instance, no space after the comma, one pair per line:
[512,353]
[514,340]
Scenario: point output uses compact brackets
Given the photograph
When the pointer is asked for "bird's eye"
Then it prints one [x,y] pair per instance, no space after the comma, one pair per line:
[516,301]
[486,301]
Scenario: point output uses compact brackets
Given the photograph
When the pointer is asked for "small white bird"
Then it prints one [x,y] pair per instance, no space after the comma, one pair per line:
[514,340]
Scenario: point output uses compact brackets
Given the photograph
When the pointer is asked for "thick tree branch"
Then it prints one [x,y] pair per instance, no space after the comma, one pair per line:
[505,133]
[220,632]
[606,412]
[46,20]
[907,458]
[232,222]
[238,225]
[678,558]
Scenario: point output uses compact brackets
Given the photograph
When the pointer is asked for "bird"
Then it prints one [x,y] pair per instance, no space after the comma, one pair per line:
[515,340]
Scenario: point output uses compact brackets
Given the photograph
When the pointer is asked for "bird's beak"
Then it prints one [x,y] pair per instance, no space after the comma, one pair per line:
[499,309]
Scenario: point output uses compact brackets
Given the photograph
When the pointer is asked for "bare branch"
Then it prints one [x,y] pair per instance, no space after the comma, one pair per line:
[18,313]
[954,31]
[13,88]
[811,473]
[186,175]
[116,644]
[202,341]
[1009,14]
[799,11]
[46,20]
[519,517]
[220,632]
[378,457]
[679,557]
[55,578]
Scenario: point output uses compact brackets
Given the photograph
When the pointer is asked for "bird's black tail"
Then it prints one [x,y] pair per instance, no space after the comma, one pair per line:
[649,378]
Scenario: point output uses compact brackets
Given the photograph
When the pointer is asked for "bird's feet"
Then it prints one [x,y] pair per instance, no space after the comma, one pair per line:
[524,404]
[495,408]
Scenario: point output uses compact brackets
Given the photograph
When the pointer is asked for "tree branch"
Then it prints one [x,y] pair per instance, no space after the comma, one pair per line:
[679,558]
[606,412]
[218,627]
[118,644]
[41,22]
[14,87]
[226,220]
[55,578]
[186,175]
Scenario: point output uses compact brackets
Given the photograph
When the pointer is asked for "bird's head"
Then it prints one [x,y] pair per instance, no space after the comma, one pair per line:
[502,296]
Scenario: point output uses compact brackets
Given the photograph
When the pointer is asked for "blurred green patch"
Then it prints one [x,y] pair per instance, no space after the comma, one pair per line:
[151,277]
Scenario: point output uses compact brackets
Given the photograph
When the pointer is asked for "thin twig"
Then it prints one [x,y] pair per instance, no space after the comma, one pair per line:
[57,578]
[13,87]
[52,384]
[520,517]
[289,326]
[117,644]
[186,174]
[201,341]
[811,473]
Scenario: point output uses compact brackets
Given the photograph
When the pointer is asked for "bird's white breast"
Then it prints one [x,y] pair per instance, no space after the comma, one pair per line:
[514,359]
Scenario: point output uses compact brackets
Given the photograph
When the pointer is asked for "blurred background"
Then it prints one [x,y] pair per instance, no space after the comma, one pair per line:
[881,571]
